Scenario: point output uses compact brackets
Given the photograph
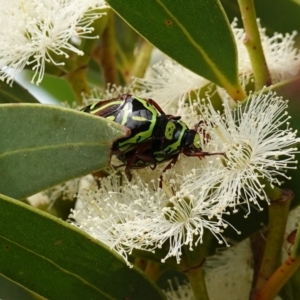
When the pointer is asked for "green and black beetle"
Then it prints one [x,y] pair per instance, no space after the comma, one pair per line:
[155,137]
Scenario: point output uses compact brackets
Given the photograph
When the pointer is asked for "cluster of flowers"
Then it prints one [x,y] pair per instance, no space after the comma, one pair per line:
[34,33]
[258,145]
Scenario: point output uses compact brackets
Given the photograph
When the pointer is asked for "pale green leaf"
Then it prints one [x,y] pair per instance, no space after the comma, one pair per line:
[44,145]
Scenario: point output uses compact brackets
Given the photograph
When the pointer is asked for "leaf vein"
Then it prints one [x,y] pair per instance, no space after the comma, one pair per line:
[56,146]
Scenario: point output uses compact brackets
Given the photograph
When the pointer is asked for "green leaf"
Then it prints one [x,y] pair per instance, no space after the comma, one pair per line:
[58,261]
[194,33]
[15,94]
[44,145]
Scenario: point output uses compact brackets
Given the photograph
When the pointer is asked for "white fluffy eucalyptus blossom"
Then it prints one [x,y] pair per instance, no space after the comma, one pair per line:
[39,31]
[136,215]
[283,59]
[259,148]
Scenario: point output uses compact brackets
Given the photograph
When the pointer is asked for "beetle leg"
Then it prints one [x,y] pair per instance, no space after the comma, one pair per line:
[175,118]
[159,109]
[148,159]
[155,104]
[171,163]
[202,154]
[169,166]
[138,154]
[128,173]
